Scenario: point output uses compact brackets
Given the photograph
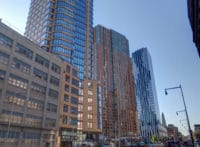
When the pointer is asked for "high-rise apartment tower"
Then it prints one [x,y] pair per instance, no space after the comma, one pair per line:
[112,66]
[63,27]
[147,103]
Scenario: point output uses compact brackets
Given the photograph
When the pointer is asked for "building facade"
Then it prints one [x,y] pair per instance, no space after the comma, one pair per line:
[68,116]
[112,67]
[197,132]
[30,92]
[164,124]
[194,18]
[173,132]
[65,28]
[92,110]
[147,103]
[197,127]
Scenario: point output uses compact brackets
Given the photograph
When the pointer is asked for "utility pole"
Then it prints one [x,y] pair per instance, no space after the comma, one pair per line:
[185,109]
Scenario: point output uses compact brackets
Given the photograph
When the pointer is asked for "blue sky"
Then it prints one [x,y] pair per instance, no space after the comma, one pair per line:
[161,26]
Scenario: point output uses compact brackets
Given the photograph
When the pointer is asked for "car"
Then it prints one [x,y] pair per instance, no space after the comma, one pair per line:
[141,144]
[88,143]
[185,144]
[197,142]
[110,144]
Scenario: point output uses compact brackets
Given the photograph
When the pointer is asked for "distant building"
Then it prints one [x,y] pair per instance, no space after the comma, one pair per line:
[163,127]
[197,131]
[147,103]
[164,121]
[30,92]
[113,68]
[172,131]
[197,127]
[194,18]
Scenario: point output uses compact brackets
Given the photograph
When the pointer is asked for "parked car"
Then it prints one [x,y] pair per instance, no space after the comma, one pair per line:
[141,144]
[88,143]
[109,144]
[197,142]
[186,144]
[128,142]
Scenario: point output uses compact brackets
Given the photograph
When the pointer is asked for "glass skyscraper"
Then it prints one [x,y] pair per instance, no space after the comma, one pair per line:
[63,27]
[147,103]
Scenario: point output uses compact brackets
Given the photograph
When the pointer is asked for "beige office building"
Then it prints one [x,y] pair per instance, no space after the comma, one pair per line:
[30,92]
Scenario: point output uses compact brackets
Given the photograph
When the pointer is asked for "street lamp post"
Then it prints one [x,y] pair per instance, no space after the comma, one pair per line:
[186,113]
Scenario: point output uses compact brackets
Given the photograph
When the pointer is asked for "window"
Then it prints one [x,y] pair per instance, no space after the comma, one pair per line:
[64,119]
[74,73]
[55,81]
[65,108]
[7,115]
[41,60]
[74,100]
[90,92]
[80,125]
[73,110]
[17,81]
[11,134]
[6,41]
[89,116]
[4,58]
[81,99]
[89,100]
[90,85]
[73,121]
[75,82]
[40,74]
[80,107]
[33,120]
[74,91]
[38,88]
[52,107]
[31,135]
[35,104]
[67,78]
[24,51]
[80,116]
[49,122]
[89,125]
[66,87]
[20,65]
[2,74]
[66,98]
[55,68]
[89,108]
[53,93]
[68,68]
[15,98]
